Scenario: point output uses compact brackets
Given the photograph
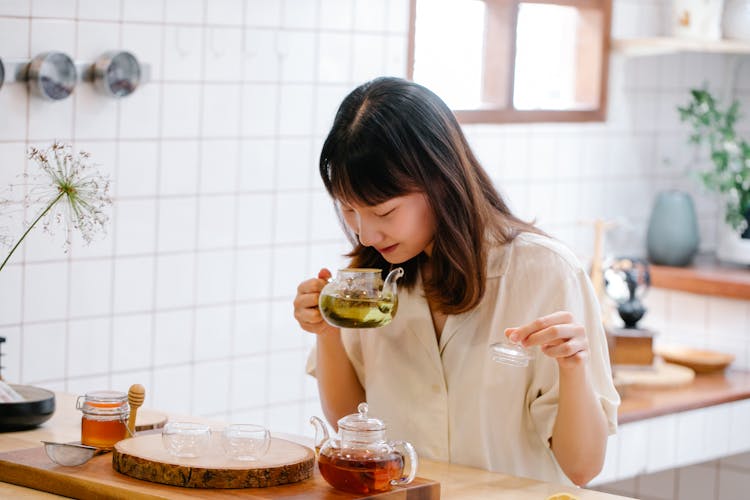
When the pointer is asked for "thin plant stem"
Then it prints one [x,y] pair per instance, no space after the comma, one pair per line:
[62,193]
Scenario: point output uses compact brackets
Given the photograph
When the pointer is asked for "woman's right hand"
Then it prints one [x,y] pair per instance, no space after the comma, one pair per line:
[306,310]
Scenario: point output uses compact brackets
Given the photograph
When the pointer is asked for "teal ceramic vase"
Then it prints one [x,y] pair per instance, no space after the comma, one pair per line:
[672,238]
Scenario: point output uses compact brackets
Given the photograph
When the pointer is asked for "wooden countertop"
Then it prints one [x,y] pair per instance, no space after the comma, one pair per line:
[456,482]
[705,390]
[706,276]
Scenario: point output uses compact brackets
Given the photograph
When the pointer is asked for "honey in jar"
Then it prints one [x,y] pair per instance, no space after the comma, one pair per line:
[105,418]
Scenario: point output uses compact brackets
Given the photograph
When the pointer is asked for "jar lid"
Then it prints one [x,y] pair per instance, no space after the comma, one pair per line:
[359,422]
[103,403]
[106,396]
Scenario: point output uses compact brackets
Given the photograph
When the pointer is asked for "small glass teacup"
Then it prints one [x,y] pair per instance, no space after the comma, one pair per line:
[245,441]
[186,439]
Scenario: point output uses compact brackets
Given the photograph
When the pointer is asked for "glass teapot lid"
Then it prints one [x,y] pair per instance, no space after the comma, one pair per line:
[360,422]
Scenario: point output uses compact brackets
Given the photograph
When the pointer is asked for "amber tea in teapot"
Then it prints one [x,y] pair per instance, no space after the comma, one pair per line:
[360,475]
[359,298]
[361,460]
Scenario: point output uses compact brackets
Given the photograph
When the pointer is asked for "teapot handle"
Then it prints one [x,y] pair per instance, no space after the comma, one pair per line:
[321,427]
[410,459]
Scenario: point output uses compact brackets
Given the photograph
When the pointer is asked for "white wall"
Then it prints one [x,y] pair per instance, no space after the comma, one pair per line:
[722,479]
[218,211]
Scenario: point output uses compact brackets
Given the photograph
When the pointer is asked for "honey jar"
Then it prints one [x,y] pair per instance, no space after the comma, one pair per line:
[105,418]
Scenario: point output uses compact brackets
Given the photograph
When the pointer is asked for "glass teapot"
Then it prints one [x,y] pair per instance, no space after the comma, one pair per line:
[359,298]
[362,461]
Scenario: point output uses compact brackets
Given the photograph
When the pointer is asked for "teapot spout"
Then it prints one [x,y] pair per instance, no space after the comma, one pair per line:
[320,430]
[389,286]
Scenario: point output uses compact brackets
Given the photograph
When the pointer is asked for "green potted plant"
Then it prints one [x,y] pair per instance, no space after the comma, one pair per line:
[729,175]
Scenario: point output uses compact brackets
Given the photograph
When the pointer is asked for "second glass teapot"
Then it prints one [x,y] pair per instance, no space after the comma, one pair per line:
[362,461]
[359,298]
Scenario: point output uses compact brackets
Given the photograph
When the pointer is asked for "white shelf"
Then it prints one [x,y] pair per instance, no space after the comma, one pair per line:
[636,47]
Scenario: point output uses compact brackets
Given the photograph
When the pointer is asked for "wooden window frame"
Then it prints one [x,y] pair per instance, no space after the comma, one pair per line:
[498,80]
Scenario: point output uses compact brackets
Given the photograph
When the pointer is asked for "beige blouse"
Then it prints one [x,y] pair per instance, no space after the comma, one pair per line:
[450,399]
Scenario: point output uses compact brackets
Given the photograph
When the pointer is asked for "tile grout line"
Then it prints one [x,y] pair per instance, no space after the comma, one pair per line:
[21,328]
[115,211]
[157,213]
[69,235]
[198,202]
[233,327]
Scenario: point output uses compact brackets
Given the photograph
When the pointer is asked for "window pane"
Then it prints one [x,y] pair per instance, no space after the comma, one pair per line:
[448,50]
[547,72]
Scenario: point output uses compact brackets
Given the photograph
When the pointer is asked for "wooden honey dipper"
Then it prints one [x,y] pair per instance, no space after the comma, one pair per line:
[136,395]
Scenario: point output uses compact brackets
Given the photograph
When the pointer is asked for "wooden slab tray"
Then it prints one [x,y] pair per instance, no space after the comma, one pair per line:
[660,375]
[147,420]
[144,457]
[96,479]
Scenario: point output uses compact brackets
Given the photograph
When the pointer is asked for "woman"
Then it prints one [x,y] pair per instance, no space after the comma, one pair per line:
[411,193]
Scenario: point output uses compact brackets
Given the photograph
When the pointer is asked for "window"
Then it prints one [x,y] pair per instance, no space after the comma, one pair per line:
[503,61]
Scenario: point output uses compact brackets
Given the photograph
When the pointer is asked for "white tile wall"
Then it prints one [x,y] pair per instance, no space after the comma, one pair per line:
[679,456]
[218,210]
[698,454]
[681,318]
[723,479]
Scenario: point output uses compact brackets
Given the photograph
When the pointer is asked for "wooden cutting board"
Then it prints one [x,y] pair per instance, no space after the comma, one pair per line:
[144,457]
[96,479]
[660,375]
[147,420]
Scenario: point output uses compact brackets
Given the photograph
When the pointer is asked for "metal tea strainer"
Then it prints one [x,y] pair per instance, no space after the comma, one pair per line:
[69,454]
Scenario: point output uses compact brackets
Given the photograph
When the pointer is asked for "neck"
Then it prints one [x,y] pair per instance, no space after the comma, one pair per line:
[426,269]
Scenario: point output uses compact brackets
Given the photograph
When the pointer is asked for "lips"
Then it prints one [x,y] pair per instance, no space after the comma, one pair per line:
[388,249]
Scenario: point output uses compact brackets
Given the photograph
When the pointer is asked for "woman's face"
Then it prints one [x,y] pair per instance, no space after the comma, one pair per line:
[399,228]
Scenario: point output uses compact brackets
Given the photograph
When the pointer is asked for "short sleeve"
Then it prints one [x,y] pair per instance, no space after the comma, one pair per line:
[575,294]
[353,348]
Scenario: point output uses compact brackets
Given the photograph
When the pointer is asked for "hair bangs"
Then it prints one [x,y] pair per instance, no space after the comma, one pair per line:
[367,180]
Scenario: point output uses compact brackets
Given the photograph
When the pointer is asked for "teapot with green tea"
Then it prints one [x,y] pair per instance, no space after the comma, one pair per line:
[359,298]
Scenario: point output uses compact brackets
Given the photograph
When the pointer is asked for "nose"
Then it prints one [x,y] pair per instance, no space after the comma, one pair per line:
[368,234]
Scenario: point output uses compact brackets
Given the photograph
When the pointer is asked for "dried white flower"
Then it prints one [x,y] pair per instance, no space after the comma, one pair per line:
[68,190]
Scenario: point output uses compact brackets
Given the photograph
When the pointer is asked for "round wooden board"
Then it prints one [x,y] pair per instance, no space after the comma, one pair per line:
[147,420]
[664,375]
[144,457]
[700,360]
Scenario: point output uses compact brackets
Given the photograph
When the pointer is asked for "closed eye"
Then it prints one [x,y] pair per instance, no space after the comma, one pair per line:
[389,212]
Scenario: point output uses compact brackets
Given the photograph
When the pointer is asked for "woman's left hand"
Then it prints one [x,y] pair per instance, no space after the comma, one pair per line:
[557,335]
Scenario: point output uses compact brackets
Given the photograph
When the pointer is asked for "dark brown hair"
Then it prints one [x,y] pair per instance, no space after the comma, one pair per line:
[392,137]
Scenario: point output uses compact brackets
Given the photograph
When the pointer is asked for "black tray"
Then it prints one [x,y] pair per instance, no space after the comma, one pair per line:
[38,407]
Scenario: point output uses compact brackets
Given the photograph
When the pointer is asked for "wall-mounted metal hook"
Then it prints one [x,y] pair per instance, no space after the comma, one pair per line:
[115,73]
[52,76]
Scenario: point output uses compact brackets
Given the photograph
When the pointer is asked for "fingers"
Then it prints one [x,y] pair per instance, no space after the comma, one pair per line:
[557,335]
[519,334]
[306,310]
[566,350]
[307,314]
[313,285]
[306,299]
[554,335]
[309,319]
